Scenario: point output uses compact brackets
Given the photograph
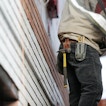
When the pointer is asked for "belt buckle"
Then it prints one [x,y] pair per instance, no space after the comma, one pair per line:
[81,39]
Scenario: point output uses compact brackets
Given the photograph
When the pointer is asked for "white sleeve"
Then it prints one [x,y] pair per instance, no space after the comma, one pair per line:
[95,18]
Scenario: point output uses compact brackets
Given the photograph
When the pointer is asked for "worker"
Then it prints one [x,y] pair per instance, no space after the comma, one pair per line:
[86,43]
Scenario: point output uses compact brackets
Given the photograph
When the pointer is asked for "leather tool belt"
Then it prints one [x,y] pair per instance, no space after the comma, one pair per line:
[80,49]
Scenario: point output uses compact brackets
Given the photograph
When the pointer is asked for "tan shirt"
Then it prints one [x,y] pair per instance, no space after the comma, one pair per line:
[73,24]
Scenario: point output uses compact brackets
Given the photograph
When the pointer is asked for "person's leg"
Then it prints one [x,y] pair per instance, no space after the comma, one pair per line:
[74,85]
[74,88]
[88,73]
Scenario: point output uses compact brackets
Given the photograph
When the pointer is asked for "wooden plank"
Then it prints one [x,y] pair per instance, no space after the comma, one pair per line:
[11,73]
[20,72]
[35,60]
[40,52]
[53,72]
[42,36]
[6,40]
[16,69]
[17,29]
[30,50]
[38,49]
[43,44]
[45,54]
[36,53]
[56,76]
[22,99]
[18,59]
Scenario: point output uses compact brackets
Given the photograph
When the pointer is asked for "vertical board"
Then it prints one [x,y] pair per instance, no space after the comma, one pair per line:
[44,42]
[22,57]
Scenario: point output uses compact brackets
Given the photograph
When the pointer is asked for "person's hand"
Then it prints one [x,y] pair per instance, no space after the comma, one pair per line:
[66,43]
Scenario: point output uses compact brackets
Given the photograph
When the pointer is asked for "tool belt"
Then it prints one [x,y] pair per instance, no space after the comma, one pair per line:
[80,50]
[80,53]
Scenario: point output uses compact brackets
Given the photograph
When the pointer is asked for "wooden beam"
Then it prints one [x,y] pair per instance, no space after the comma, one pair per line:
[44,42]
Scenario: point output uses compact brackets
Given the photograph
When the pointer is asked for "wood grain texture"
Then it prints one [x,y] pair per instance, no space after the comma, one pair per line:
[44,42]
[27,57]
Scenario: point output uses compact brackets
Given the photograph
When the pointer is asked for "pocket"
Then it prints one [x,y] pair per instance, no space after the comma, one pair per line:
[80,51]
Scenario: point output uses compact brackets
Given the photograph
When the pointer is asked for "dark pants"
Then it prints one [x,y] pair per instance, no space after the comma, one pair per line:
[84,77]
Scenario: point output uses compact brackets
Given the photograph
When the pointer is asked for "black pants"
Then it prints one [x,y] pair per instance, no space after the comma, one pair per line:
[84,77]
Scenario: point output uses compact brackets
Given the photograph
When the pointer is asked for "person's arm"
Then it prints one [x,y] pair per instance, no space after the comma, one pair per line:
[95,18]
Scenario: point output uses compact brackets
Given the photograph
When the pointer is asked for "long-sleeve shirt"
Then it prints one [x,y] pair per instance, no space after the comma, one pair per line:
[75,23]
